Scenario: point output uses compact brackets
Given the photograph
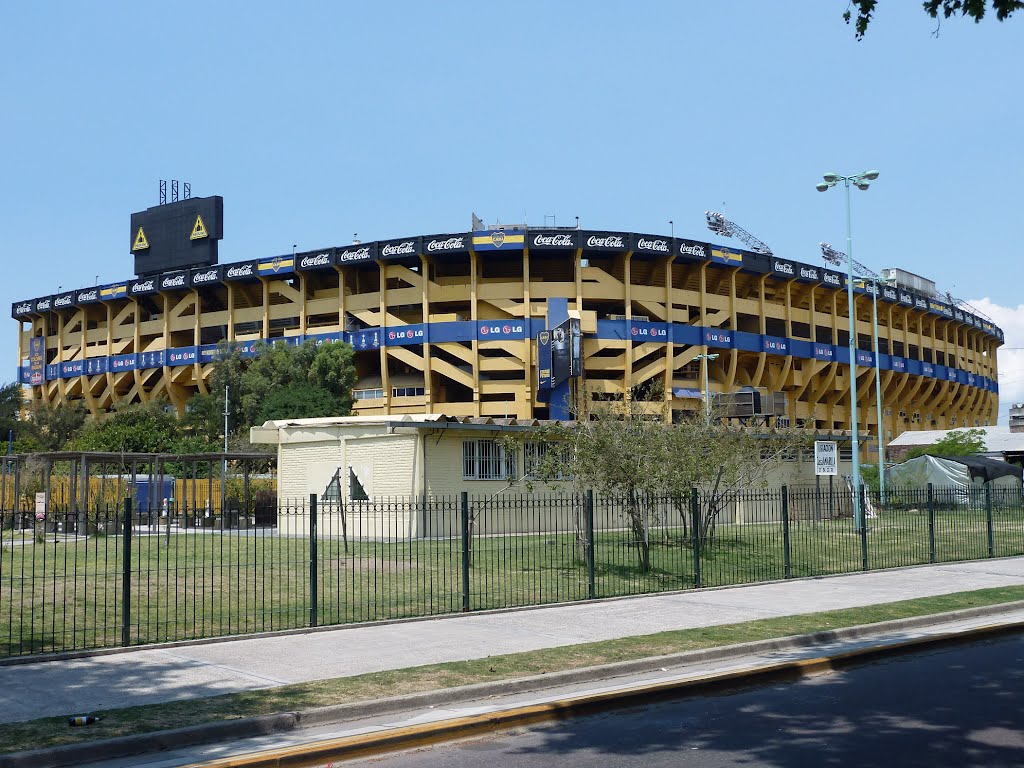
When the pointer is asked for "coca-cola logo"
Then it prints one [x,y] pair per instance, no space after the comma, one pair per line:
[143,286]
[62,301]
[23,309]
[320,260]
[89,295]
[611,241]
[43,306]
[359,254]
[553,241]
[652,245]
[783,267]
[693,250]
[398,249]
[831,278]
[906,298]
[242,270]
[889,293]
[173,282]
[809,273]
[921,303]
[206,277]
[451,244]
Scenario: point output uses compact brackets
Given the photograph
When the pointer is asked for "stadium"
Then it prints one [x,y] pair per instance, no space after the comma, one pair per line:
[507,321]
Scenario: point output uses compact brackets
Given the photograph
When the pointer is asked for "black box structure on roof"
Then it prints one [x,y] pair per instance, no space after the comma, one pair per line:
[177,235]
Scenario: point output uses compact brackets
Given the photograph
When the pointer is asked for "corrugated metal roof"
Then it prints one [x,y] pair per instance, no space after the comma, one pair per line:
[998,439]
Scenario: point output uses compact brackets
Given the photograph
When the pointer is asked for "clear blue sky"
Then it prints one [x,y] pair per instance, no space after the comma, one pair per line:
[319,120]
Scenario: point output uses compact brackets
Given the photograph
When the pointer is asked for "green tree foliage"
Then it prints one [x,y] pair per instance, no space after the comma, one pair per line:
[323,372]
[54,427]
[11,401]
[299,401]
[971,9]
[960,442]
[136,428]
[624,449]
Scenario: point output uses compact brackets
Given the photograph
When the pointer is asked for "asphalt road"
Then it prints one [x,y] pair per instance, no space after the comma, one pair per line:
[956,707]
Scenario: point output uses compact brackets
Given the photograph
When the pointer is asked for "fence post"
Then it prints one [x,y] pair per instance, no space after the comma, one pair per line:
[786,551]
[863,529]
[988,521]
[695,528]
[465,550]
[126,569]
[312,560]
[931,523]
[588,514]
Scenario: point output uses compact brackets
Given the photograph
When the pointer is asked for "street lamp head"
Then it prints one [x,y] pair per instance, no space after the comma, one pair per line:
[821,186]
[862,185]
[870,175]
[831,178]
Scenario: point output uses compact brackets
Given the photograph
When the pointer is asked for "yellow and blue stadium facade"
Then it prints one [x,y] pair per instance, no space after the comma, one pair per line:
[463,324]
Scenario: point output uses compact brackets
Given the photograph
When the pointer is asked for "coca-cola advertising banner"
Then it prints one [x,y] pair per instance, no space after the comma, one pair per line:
[604,241]
[783,269]
[87,296]
[313,260]
[403,248]
[245,270]
[143,286]
[174,281]
[546,240]
[199,278]
[654,245]
[21,308]
[691,250]
[440,245]
[357,253]
[832,279]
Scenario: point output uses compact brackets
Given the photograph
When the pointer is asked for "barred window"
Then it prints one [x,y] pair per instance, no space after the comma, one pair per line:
[534,453]
[487,460]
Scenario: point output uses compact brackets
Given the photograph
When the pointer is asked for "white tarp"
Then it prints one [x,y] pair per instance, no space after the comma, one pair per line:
[941,473]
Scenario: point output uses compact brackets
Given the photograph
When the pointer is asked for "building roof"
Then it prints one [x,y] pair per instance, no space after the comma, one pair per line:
[998,439]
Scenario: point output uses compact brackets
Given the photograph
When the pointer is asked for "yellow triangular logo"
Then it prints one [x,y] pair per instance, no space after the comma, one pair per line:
[199,230]
[140,243]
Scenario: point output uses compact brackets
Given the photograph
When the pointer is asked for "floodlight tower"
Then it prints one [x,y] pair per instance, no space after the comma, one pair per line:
[720,225]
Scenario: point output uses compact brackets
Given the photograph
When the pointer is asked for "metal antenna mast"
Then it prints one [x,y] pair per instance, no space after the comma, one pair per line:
[720,225]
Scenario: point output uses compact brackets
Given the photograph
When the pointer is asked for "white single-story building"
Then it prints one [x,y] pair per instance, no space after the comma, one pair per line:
[421,458]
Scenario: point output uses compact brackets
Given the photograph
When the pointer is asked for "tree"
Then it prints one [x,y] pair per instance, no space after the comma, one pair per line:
[625,451]
[135,428]
[11,401]
[959,442]
[53,427]
[974,9]
[299,401]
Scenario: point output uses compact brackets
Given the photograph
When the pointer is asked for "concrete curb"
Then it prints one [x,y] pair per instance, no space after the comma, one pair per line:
[87,752]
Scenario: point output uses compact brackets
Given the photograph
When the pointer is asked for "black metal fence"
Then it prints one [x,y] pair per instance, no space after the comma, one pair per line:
[113,575]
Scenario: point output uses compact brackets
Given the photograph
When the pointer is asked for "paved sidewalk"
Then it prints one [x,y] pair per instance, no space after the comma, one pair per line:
[131,678]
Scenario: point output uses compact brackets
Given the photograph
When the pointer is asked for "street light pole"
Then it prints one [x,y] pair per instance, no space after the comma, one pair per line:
[861,181]
[878,397]
[706,358]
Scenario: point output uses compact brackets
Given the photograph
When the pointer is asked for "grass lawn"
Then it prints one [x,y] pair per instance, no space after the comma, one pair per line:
[54,731]
[65,593]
